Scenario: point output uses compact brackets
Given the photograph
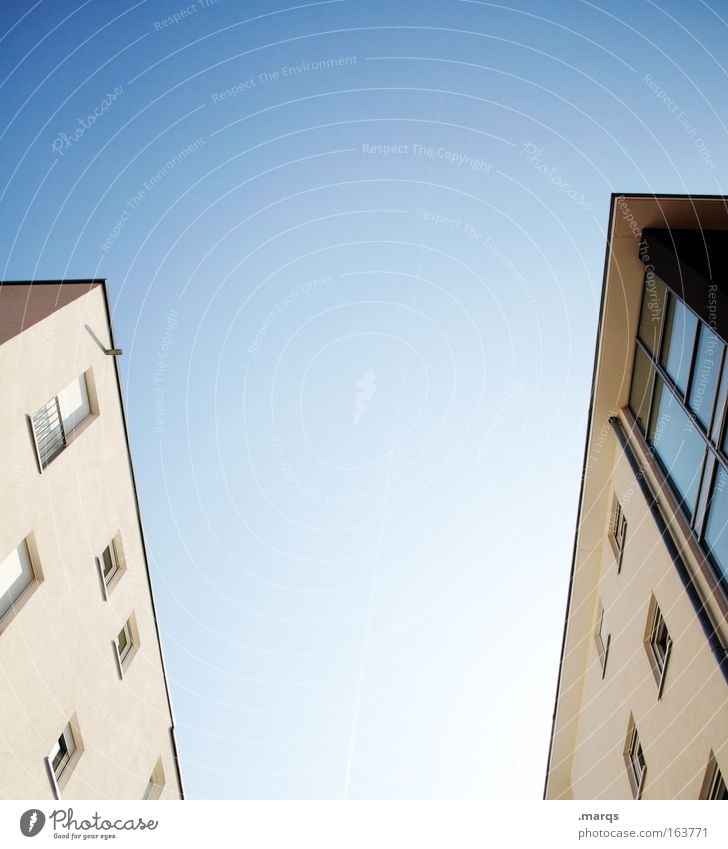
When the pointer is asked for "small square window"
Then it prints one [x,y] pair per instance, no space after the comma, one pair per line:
[634,758]
[618,531]
[602,639]
[63,757]
[126,644]
[110,565]
[714,786]
[658,644]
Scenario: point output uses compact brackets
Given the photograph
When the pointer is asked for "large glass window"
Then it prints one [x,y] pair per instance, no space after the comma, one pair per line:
[679,395]
[705,375]
[677,345]
[678,444]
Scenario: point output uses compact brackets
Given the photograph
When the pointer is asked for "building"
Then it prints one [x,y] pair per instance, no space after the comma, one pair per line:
[642,698]
[85,711]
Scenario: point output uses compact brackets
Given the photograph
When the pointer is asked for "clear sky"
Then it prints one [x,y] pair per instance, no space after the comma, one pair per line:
[354,251]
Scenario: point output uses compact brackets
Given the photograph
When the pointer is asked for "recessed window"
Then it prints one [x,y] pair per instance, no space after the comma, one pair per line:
[618,531]
[61,752]
[63,757]
[714,786]
[634,758]
[17,576]
[658,644]
[602,639]
[155,785]
[110,564]
[58,418]
[126,644]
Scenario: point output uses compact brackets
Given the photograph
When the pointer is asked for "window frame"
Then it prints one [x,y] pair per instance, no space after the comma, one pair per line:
[658,659]
[618,531]
[632,751]
[128,642]
[124,657]
[70,738]
[108,583]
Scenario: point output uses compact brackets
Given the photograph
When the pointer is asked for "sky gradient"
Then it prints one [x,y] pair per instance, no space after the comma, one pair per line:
[354,252]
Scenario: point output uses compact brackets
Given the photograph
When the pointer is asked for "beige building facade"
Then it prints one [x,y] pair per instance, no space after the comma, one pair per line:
[642,697]
[85,710]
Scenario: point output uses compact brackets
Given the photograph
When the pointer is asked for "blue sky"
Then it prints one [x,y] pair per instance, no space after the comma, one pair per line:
[354,252]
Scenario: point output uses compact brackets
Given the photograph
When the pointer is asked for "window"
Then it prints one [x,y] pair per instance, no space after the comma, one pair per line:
[714,786]
[634,758]
[658,644]
[155,785]
[716,527]
[124,642]
[16,575]
[110,565]
[678,445]
[61,752]
[678,340]
[704,380]
[679,398]
[618,531]
[55,421]
[602,639]
[125,645]
[63,756]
